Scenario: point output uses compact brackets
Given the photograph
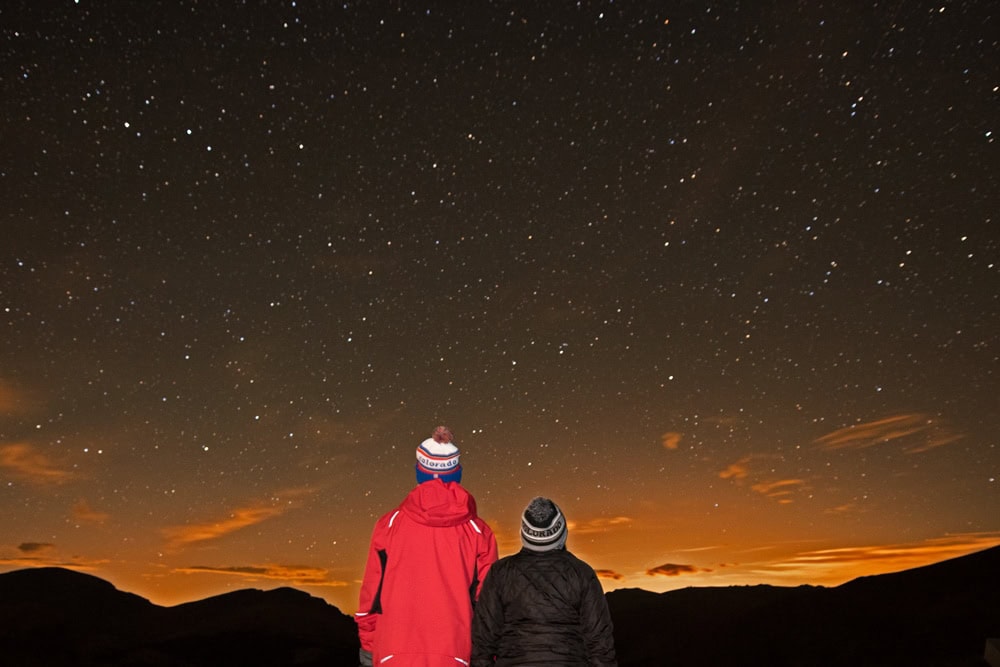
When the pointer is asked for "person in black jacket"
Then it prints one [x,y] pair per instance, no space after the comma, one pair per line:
[542,605]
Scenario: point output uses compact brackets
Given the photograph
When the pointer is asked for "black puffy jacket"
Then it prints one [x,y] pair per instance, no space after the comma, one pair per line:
[542,608]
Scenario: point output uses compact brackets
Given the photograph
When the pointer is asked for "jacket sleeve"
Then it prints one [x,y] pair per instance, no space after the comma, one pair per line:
[487,621]
[369,603]
[598,630]
[486,557]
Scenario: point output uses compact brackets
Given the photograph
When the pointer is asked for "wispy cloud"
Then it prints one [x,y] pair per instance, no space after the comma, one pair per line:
[610,574]
[278,503]
[671,440]
[780,490]
[179,536]
[48,557]
[846,508]
[674,570]
[738,470]
[940,548]
[598,525]
[882,557]
[918,433]
[14,401]
[710,547]
[82,511]
[303,575]
[32,547]
[26,462]
[8,398]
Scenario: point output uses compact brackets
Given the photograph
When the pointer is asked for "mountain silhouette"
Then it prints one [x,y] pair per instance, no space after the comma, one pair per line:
[53,617]
[937,615]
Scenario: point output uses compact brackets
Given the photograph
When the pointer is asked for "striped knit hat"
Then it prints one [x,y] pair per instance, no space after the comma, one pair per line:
[437,458]
[543,527]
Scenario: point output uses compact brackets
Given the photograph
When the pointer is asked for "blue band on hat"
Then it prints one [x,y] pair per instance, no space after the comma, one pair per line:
[424,476]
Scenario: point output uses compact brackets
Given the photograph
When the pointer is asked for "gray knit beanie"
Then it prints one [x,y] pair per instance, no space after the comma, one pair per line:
[543,527]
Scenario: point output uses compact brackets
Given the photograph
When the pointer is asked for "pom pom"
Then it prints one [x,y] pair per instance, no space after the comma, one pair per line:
[442,434]
[540,511]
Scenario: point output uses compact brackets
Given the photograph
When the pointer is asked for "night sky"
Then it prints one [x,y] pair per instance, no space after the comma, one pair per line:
[720,278]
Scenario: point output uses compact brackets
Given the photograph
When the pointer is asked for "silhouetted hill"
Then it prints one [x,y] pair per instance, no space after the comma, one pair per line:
[938,615]
[52,617]
[284,626]
[56,616]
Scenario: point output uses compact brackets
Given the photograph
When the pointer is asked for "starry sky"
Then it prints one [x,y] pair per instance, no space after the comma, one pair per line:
[720,278]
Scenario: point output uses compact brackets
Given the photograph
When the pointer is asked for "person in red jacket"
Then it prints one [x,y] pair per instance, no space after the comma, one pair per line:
[426,564]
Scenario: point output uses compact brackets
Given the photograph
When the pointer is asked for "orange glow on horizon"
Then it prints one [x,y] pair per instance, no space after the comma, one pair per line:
[712,566]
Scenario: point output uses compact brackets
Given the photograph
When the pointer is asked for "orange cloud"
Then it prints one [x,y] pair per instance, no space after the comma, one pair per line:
[294,574]
[179,536]
[939,549]
[32,547]
[671,440]
[609,574]
[599,525]
[673,570]
[885,557]
[25,462]
[841,509]
[12,401]
[48,558]
[8,399]
[919,433]
[83,512]
[779,490]
[738,470]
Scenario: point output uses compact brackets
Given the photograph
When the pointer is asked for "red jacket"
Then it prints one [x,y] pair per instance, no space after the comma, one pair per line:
[426,563]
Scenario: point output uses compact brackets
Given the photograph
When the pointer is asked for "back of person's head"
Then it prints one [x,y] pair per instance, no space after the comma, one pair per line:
[437,458]
[543,526]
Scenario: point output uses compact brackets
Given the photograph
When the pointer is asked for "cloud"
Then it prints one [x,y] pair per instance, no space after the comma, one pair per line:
[940,548]
[841,509]
[599,525]
[32,547]
[609,574]
[780,490]
[302,575]
[710,547]
[13,401]
[935,439]
[9,399]
[179,536]
[49,558]
[882,557]
[673,570]
[25,462]
[738,470]
[671,440]
[918,433]
[83,512]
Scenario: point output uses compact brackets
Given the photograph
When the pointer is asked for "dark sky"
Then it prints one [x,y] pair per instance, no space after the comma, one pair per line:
[718,277]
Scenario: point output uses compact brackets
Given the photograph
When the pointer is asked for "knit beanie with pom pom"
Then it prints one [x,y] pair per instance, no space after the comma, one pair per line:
[437,458]
[543,526]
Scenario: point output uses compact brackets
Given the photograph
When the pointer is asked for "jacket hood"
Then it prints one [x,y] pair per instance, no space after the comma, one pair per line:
[436,503]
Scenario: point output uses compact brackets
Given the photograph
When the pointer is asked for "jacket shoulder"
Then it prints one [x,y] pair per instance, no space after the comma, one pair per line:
[578,564]
[387,519]
[481,526]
